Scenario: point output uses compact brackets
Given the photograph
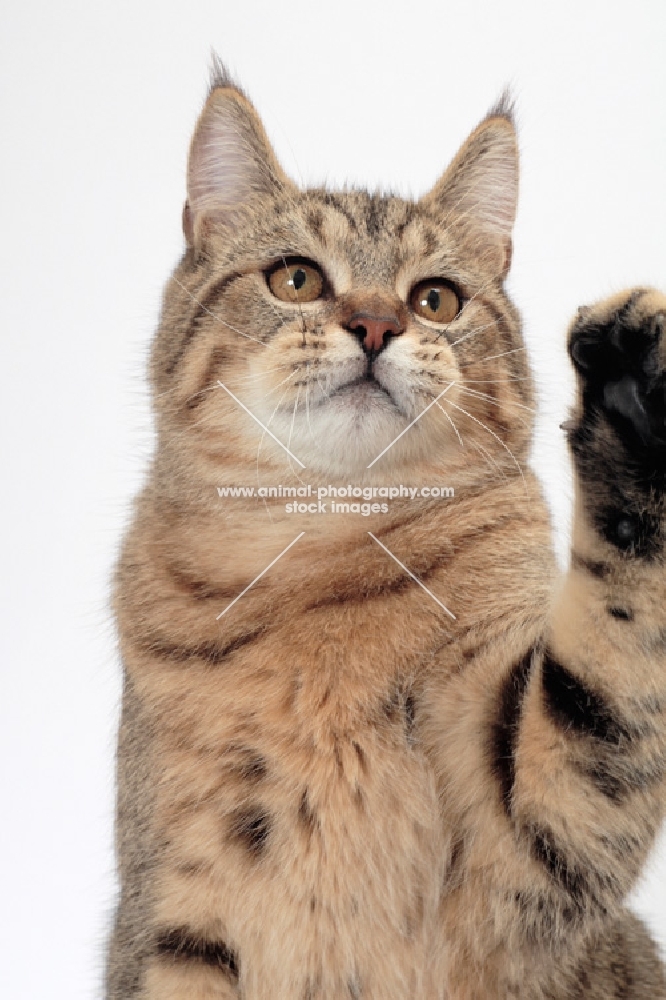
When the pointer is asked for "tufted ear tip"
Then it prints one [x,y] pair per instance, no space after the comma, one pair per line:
[504,107]
[231,161]
[220,77]
[478,192]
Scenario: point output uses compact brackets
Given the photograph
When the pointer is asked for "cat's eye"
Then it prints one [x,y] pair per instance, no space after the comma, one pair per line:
[296,281]
[435,300]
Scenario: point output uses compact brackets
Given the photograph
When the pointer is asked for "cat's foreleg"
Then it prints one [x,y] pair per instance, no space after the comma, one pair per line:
[576,732]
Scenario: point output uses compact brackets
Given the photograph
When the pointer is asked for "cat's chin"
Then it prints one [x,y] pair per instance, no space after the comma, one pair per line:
[362,397]
[344,434]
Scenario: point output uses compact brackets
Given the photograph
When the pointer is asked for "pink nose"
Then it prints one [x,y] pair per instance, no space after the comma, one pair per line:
[371,330]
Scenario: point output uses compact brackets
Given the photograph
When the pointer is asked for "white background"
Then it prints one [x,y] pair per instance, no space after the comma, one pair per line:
[98,101]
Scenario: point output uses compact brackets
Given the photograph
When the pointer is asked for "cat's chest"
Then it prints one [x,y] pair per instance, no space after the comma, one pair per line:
[299,787]
[349,788]
[355,857]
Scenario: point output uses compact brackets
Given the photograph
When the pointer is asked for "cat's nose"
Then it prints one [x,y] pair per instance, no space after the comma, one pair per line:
[374,332]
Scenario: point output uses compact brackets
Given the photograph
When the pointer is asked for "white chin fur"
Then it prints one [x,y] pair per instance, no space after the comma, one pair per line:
[345,433]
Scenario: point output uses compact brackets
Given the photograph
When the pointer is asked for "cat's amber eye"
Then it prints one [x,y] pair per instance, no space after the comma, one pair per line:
[435,300]
[296,281]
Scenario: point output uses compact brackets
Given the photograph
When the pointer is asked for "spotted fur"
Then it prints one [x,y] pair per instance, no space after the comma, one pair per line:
[335,787]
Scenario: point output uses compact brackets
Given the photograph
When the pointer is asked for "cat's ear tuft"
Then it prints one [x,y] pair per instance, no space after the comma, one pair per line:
[219,76]
[478,194]
[231,161]
[504,107]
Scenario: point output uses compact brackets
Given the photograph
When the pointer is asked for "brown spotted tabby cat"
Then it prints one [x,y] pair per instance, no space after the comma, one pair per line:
[409,762]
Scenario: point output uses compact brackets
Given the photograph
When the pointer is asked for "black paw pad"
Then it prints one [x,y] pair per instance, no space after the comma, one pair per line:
[619,438]
[636,534]
[625,532]
[619,363]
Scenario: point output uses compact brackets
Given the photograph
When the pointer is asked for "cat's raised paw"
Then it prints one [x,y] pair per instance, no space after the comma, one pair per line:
[618,347]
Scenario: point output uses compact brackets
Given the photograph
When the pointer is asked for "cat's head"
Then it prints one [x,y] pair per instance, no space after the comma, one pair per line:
[348,325]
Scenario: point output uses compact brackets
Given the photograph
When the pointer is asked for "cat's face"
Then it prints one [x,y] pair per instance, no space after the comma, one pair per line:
[360,330]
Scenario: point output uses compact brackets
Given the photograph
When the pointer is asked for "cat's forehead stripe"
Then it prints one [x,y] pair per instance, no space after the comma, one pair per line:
[337,202]
[374,233]
[365,214]
[376,214]
[398,223]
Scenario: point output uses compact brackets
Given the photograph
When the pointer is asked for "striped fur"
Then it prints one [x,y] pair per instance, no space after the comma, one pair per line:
[332,789]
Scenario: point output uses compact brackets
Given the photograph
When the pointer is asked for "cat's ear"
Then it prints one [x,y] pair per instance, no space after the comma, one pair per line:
[231,161]
[478,193]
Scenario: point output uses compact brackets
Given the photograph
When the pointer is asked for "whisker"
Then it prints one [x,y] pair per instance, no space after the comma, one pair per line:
[201,422]
[258,375]
[291,430]
[200,392]
[452,424]
[493,357]
[491,399]
[497,438]
[218,319]
[473,332]
[263,433]
[490,460]
[207,388]
[307,413]
[324,389]
[480,291]
[269,392]
[498,381]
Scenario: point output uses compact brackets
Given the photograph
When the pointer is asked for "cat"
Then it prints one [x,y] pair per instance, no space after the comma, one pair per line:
[393,753]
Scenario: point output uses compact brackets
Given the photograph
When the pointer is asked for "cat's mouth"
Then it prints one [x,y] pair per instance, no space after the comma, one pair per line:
[368,385]
[362,390]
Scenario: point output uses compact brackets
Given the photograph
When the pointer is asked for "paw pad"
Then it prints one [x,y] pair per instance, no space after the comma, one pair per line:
[617,351]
